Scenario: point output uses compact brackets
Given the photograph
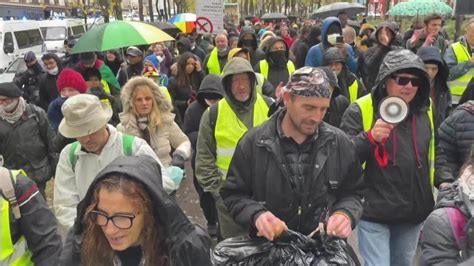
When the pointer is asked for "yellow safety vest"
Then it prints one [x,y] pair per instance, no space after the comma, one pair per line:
[16,254]
[259,82]
[213,65]
[367,110]
[353,91]
[106,88]
[166,92]
[229,129]
[458,86]
[264,67]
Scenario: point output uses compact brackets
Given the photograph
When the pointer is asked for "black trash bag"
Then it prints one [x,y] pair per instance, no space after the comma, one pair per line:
[292,248]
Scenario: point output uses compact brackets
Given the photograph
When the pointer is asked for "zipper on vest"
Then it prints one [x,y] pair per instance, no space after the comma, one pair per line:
[299,215]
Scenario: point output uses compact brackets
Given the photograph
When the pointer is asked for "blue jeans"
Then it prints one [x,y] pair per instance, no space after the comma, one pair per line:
[387,245]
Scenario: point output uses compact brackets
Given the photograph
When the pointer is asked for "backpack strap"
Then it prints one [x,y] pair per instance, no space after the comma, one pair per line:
[458,221]
[127,142]
[72,155]
[8,191]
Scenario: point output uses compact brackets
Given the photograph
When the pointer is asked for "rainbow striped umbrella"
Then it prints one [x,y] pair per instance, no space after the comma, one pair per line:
[186,22]
[119,34]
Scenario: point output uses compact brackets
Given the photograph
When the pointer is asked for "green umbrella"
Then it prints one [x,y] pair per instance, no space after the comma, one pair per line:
[119,34]
[420,7]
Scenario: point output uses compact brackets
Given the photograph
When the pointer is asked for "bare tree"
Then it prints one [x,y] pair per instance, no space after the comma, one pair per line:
[150,12]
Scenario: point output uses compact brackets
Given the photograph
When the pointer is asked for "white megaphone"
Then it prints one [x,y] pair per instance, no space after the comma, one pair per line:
[393,109]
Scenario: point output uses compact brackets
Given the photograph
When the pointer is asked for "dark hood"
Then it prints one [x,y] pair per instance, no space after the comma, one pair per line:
[145,170]
[210,84]
[238,65]
[270,44]
[328,23]
[432,54]
[391,26]
[186,42]
[248,31]
[398,60]
[333,55]
[452,197]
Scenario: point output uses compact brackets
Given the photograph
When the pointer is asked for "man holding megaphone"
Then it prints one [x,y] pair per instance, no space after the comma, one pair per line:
[392,129]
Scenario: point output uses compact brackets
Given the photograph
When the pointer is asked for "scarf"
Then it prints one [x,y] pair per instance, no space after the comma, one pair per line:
[15,115]
[142,123]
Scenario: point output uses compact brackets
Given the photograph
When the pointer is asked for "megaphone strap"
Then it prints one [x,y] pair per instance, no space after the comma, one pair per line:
[380,151]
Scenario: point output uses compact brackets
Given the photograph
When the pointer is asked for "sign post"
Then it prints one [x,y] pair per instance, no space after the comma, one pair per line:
[210,16]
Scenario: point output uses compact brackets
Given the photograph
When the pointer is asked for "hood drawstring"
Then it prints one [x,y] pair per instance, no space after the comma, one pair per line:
[415,145]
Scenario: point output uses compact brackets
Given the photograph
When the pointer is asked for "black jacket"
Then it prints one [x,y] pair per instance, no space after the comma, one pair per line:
[455,143]
[128,72]
[181,95]
[37,224]
[29,82]
[276,73]
[27,144]
[47,86]
[401,192]
[373,58]
[255,54]
[442,99]
[192,118]
[258,179]
[186,244]
[438,244]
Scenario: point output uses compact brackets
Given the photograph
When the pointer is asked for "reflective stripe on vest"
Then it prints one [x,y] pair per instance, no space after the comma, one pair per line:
[458,86]
[367,111]
[353,91]
[229,129]
[213,65]
[264,68]
[259,82]
[11,254]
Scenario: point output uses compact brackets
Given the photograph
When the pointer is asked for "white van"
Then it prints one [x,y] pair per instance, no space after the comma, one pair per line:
[18,37]
[55,32]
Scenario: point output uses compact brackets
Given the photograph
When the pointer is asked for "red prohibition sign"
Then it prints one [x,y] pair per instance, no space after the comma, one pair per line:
[204,24]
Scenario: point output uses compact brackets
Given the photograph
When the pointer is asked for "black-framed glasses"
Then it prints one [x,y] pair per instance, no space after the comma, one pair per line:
[402,81]
[121,221]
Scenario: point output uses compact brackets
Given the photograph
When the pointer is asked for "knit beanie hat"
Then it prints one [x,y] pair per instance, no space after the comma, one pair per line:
[71,78]
[154,60]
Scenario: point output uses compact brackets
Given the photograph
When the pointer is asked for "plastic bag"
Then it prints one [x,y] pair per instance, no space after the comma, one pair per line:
[292,248]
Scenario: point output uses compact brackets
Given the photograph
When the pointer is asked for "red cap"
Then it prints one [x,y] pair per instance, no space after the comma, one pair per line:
[71,78]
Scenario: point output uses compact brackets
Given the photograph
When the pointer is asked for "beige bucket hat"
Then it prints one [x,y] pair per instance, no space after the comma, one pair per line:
[84,114]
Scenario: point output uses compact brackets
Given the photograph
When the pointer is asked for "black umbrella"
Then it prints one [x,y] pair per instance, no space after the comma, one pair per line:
[167,27]
[352,9]
[273,16]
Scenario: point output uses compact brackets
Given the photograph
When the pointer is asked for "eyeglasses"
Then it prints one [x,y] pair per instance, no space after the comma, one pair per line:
[121,221]
[402,81]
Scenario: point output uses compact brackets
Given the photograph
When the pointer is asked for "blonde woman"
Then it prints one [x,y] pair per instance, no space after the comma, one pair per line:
[147,114]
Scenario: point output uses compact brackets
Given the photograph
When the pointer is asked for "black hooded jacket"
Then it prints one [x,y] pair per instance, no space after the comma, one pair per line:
[373,58]
[400,192]
[186,244]
[255,54]
[211,84]
[48,90]
[188,47]
[440,89]
[276,73]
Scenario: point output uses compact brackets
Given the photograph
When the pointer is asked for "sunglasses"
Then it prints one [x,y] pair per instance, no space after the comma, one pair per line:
[402,81]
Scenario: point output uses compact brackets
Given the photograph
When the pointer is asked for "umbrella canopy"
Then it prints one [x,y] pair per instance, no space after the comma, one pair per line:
[272,16]
[420,7]
[167,27]
[331,10]
[186,22]
[119,34]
